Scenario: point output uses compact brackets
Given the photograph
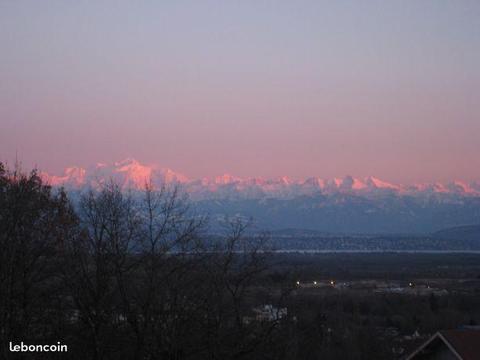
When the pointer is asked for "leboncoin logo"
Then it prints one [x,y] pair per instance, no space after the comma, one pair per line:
[58,347]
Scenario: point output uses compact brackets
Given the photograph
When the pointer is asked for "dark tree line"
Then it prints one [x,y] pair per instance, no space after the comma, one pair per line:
[125,276]
[120,275]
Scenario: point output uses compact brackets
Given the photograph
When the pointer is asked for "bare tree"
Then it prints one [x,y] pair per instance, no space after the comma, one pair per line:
[169,248]
[235,269]
[98,262]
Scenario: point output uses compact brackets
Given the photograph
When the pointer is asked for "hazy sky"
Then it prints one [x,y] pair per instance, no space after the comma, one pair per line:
[253,88]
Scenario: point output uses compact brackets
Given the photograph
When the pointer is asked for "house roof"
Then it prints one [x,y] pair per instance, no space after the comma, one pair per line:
[463,343]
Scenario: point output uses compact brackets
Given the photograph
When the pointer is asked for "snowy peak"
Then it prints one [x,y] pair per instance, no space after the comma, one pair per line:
[461,187]
[134,174]
[226,179]
[72,177]
[129,173]
[379,184]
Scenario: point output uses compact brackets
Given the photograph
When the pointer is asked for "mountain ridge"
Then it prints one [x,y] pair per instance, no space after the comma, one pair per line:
[130,173]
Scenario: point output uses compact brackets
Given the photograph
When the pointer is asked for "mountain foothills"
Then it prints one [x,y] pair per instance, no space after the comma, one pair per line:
[346,205]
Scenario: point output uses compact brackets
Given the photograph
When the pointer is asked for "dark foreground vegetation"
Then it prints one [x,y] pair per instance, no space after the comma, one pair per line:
[122,277]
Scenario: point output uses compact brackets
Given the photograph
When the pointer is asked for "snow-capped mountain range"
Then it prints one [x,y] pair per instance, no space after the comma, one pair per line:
[345,205]
[132,174]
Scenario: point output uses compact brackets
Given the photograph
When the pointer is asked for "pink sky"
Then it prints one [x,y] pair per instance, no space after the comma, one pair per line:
[251,88]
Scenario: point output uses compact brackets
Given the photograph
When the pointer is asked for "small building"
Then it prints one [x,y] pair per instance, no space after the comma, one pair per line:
[266,313]
[269,313]
[462,344]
